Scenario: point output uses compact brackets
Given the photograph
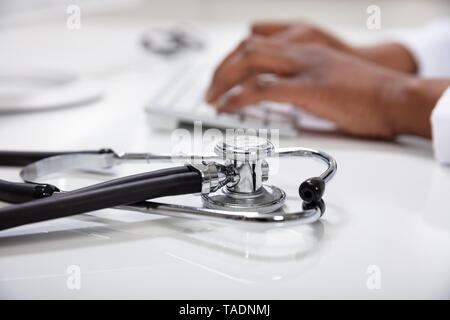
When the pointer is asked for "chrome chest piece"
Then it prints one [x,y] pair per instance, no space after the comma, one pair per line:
[246,192]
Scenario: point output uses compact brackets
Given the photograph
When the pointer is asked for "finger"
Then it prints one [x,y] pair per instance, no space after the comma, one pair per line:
[268,28]
[236,51]
[298,34]
[254,90]
[258,59]
[262,28]
[300,92]
[224,62]
[304,33]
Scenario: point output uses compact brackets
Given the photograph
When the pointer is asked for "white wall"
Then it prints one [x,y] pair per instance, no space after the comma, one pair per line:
[342,13]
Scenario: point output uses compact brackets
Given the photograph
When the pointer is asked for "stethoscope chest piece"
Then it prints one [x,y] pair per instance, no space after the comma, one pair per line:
[246,154]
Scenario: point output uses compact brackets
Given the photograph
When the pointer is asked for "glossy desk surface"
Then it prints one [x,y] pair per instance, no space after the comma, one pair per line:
[388,206]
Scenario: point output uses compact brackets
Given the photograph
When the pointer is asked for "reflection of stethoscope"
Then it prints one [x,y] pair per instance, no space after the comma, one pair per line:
[231,189]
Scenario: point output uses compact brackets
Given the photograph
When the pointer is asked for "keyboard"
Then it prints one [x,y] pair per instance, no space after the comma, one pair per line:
[181,100]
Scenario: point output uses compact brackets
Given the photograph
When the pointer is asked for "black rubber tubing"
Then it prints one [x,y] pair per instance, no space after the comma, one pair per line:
[22,158]
[81,202]
[19,192]
[136,177]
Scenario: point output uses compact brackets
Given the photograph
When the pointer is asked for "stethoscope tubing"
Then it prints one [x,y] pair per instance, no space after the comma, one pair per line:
[135,178]
[114,194]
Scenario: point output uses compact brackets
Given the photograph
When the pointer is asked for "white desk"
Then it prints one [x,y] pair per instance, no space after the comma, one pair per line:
[388,205]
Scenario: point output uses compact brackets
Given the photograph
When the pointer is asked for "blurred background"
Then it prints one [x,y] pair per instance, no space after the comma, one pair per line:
[344,12]
[120,22]
[40,37]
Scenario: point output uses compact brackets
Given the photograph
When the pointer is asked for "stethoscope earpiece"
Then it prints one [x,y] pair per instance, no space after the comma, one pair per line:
[312,190]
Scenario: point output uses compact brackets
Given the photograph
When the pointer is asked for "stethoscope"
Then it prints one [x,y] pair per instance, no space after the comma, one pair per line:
[231,182]
[172,41]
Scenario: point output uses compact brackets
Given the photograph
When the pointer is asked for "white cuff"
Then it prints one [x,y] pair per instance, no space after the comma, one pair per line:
[440,124]
[430,46]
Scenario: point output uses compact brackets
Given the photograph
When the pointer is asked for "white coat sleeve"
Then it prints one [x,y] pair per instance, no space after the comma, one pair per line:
[440,125]
[430,46]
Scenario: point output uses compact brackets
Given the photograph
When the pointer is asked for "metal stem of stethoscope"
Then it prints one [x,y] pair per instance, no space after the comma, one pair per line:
[34,171]
[279,152]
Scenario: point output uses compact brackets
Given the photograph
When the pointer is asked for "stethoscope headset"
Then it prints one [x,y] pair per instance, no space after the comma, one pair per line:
[230,181]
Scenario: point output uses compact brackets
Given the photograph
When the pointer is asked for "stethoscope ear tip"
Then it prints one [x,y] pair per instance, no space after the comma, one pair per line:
[312,190]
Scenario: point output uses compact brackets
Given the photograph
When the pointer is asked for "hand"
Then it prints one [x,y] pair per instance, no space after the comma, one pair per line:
[362,98]
[391,55]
